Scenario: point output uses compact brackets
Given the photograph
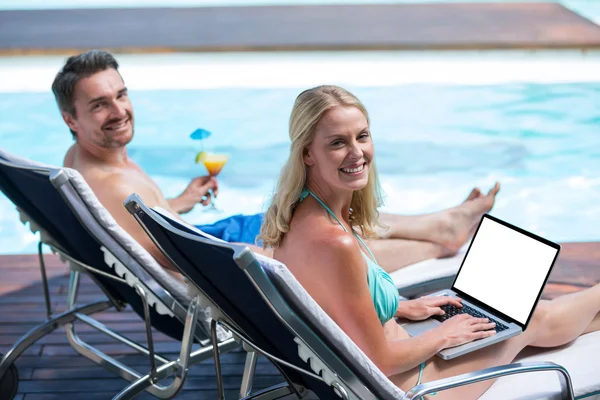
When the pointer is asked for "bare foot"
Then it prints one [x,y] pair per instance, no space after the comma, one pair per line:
[458,224]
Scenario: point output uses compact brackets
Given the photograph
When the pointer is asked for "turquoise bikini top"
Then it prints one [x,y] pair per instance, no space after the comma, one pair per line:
[382,287]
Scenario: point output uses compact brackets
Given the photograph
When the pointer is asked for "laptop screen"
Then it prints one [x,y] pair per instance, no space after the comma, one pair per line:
[506,268]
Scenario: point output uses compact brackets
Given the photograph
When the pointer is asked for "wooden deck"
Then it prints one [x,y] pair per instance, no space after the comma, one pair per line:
[51,369]
[308,27]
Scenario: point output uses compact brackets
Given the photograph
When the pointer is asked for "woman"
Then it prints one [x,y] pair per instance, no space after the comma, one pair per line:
[325,207]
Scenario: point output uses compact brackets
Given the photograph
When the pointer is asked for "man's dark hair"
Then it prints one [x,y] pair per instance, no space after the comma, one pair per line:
[77,67]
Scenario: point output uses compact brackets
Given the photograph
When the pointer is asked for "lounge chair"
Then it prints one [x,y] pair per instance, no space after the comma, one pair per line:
[57,203]
[259,300]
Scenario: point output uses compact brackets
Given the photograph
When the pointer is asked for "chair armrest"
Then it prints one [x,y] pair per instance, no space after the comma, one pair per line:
[492,373]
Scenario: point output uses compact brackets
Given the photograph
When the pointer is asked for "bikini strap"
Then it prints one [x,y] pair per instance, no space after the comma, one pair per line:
[366,247]
[325,207]
[303,195]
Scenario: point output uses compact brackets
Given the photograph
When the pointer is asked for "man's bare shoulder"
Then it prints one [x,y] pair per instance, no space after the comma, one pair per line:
[98,176]
[111,188]
[91,172]
[69,160]
[94,175]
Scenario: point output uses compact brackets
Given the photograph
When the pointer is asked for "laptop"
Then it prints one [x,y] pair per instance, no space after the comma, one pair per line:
[502,277]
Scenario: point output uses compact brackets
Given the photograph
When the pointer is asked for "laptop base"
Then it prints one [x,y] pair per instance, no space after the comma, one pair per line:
[416,328]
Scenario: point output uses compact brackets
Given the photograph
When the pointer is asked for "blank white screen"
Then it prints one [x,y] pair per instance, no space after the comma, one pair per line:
[505,269]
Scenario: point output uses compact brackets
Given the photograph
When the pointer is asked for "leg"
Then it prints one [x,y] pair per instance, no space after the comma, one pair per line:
[426,233]
[416,227]
[554,323]
[450,228]
[392,254]
[566,317]
[259,250]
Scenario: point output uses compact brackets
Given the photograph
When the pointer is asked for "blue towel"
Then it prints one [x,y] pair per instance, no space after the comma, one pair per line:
[238,228]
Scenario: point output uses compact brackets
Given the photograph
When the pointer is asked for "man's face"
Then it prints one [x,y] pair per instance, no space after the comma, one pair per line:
[104,114]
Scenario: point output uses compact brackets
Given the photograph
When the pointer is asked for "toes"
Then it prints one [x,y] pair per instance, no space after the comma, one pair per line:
[494,191]
[475,193]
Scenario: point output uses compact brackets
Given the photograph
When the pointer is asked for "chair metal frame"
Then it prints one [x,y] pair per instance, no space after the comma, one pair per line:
[146,287]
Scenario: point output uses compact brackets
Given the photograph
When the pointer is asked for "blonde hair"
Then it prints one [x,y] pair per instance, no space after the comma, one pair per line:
[309,108]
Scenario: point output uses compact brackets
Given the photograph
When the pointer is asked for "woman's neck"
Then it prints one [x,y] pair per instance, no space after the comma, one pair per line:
[338,202]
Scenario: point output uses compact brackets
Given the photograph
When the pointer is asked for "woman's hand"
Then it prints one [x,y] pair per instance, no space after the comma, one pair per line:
[464,328]
[424,307]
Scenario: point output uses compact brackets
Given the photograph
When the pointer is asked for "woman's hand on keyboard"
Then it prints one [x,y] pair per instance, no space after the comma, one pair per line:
[424,307]
[464,328]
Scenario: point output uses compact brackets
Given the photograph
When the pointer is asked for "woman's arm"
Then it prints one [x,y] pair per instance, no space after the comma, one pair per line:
[334,272]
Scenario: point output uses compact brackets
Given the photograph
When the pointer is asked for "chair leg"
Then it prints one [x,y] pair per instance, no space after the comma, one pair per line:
[44,281]
[109,363]
[144,383]
[179,367]
[9,383]
[47,327]
[213,336]
[142,293]
[249,369]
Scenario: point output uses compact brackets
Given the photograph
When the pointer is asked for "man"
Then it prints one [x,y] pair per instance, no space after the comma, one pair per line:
[95,105]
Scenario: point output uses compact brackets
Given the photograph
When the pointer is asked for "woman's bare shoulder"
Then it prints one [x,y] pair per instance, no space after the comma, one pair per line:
[320,245]
[317,231]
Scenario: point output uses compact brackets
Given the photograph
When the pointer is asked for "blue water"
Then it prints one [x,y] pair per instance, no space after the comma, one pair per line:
[433,143]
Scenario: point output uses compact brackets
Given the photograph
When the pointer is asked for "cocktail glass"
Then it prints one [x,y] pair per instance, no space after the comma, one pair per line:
[213,163]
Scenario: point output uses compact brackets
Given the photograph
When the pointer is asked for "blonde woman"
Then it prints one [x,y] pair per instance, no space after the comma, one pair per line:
[318,223]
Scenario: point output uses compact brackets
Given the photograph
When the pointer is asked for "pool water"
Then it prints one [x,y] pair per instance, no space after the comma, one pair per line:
[434,142]
[442,122]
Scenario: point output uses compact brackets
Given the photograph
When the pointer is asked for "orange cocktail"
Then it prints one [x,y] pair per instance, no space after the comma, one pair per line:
[214,163]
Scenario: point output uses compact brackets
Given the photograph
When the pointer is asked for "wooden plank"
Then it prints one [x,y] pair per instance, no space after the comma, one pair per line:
[61,361]
[7,317]
[122,327]
[31,261]
[110,348]
[577,264]
[34,350]
[305,27]
[59,337]
[103,395]
[199,370]
[25,373]
[83,385]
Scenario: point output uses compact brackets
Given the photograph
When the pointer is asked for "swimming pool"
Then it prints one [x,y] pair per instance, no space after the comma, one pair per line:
[441,124]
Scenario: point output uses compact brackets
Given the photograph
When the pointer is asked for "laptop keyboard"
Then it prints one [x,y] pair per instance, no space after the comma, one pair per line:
[451,311]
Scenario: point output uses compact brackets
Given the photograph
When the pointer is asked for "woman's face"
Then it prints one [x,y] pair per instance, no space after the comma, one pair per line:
[340,155]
